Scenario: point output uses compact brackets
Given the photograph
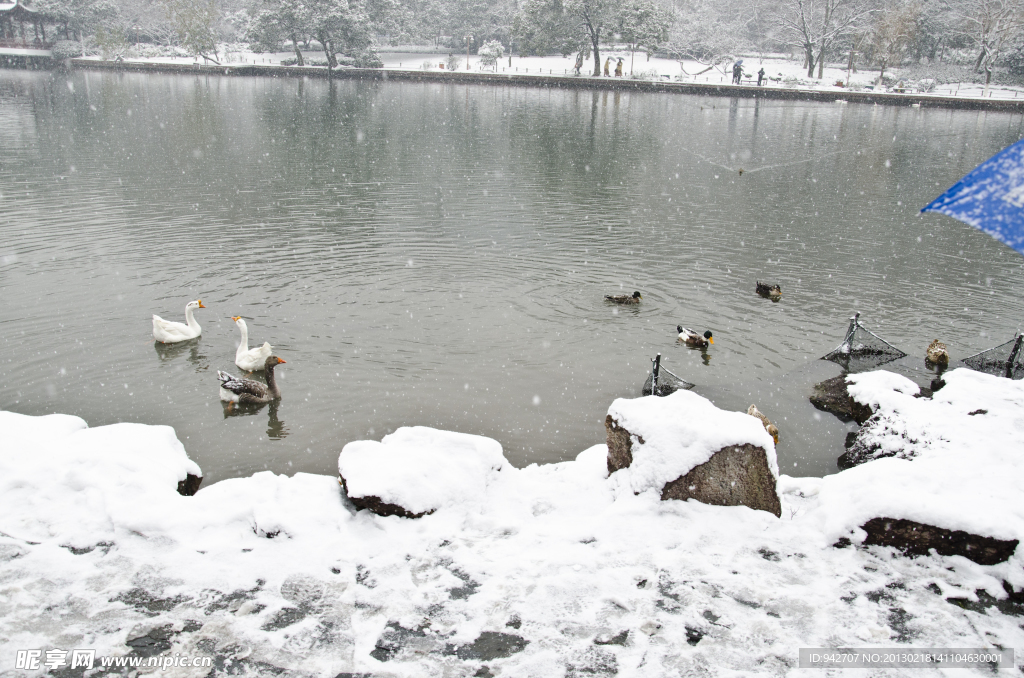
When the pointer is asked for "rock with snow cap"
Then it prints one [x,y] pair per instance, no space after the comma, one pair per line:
[943,472]
[833,397]
[417,470]
[684,447]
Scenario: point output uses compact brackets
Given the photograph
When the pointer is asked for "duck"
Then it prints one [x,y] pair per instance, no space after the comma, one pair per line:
[250,359]
[772,429]
[768,291]
[248,392]
[624,298]
[693,339]
[937,354]
[169,332]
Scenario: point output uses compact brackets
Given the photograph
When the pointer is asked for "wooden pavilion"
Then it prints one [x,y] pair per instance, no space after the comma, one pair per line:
[22,29]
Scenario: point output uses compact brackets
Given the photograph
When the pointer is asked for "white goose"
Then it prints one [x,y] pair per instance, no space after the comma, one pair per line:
[168,332]
[250,359]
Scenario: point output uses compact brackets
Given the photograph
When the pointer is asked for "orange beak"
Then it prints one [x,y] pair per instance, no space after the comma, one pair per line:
[235,317]
[200,303]
[711,340]
[283,361]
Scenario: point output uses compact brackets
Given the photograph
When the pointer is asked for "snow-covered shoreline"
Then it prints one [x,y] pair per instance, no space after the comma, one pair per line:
[783,78]
[555,570]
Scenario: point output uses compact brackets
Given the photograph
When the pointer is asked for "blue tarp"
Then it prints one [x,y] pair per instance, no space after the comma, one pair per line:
[991,198]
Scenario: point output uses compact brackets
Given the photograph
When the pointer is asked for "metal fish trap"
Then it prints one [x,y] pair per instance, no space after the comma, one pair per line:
[862,349]
[1004,360]
[662,382]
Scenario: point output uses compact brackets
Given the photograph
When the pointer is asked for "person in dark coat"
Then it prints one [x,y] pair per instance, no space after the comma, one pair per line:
[760,76]
[737,72]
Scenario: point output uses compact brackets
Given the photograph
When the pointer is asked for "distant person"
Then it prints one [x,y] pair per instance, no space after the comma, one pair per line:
[760,76]
[579,63]
[737,72]
[606,64]
[618,68]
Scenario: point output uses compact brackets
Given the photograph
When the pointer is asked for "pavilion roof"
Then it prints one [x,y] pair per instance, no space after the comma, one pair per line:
[18,11]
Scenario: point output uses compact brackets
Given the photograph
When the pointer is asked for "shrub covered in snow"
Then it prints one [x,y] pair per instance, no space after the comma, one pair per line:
[66,49]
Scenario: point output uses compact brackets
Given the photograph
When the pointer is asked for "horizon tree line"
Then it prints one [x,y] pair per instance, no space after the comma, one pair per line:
[884,34]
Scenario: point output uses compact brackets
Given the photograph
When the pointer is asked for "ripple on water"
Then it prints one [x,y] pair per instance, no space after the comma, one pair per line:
[446,265]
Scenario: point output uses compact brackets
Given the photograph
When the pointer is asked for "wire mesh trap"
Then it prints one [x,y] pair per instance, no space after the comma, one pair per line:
[1004,360]
[862,349]
[662,382]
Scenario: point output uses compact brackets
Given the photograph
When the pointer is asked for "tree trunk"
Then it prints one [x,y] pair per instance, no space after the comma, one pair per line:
[988,79]
[298,52]
[809,59]
[981,57]
[328,50]
[821,60]
[597,55]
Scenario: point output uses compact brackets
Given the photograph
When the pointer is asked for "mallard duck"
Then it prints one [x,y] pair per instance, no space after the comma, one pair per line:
[250,359]
[768,291]
[168,332]
[624,298]
[248,392]
[693,339]
[937,353]
[772,429]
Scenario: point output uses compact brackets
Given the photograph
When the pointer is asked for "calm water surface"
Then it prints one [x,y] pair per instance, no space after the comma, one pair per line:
[437,254]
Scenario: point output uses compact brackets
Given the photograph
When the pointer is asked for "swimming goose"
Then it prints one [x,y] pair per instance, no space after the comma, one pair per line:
[249,392]
[250,359]
[693,339]
[624,298]
[168,332]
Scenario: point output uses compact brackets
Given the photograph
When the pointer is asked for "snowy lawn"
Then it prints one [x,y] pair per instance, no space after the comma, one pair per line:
[555,570]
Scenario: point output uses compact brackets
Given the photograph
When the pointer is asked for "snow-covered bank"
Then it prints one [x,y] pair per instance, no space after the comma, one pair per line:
[785,75]
[556,570]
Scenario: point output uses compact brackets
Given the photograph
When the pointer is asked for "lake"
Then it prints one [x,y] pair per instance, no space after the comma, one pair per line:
[437,254]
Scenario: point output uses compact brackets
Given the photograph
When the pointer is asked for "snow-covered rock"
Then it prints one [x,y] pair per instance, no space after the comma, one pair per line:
[61,479]
[833,397]
[683,447]
[416,470]
[951,462]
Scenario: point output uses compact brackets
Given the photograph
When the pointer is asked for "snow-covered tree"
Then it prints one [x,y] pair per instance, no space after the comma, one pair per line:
[993,25]
[892,33]
[271,22]
[490,52]
[78,18]
[643,24]
[195,23]
[816,26]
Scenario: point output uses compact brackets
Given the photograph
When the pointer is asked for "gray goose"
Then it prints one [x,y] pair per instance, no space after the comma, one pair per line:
[248,392]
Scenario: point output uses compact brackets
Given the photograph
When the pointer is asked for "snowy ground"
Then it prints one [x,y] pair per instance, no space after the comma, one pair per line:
[559,570]
[781,71]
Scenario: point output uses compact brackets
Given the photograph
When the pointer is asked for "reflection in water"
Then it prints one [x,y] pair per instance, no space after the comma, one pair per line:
[276,428]
[190,349]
